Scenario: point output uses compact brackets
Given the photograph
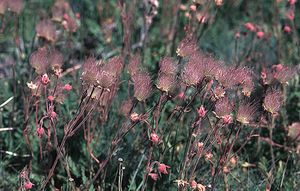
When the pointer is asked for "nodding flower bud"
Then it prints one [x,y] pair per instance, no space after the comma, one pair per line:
[45,79]
[154,138]
[287,29]
[28,185]
[51,98]
[260,34]
[273,101]
[162,168]
[67,87]
[40,131]
[250,26]
[201,111]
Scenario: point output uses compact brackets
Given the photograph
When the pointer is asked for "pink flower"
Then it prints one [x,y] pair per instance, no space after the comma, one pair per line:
[154,138]
[28,185]
[52,114]
[193,8]
[201,111]
[162,168]
[67,87]
[51,98]
[193,184]
[227,119]
[154,176]
[287,29]
[250,26]
[292,2]
[77,15]
[260,34]
[45,79]
[40,131]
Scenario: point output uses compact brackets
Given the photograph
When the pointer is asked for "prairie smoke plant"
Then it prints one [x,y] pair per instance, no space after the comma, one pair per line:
[142,86]
[284,74]
[44,59]
[223,110]
[46,29]
[90,70]
[167,65]
[246,112]
[273,101]
[166,82]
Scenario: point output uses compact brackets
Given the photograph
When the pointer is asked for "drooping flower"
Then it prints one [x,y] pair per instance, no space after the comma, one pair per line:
[51,98]
[260,34]
[162,168]
[250,26]
[154,138]
[287,29]
[201,111]
[273,101]
[68,87]
[28,185]
[45,79]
